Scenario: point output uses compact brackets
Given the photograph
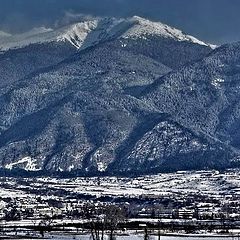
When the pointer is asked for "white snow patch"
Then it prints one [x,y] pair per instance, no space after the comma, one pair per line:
[101,167]
[78,33]
[78,156]
[195,143]
[2,204]
[217,82]
[70,168]
[30,164]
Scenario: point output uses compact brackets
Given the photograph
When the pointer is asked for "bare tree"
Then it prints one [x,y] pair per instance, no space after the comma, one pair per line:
[97,229]
[45,225]
[146,235]
[102,218]
[113,216]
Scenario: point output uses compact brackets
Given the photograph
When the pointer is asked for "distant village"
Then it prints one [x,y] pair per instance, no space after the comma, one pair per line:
[131,203]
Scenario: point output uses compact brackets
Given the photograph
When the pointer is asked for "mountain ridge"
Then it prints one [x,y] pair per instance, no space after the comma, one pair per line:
[120,104]
[100,29]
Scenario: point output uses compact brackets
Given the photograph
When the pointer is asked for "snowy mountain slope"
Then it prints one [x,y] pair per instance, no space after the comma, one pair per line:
[43,47]
[88,97]
[142,28]
[89,33]
[15,64]
[77,111]
[204,96]
[77,116]
[39,36]
[168,146]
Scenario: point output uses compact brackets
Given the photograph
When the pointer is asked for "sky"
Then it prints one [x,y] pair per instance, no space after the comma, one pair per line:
[214,21]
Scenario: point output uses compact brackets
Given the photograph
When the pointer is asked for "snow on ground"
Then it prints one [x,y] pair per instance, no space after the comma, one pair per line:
[217,82]
[209,183]
[141,236]
[28,163]
[213,184]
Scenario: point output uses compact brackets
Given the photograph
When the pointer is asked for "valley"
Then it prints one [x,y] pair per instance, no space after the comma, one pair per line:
[185,202]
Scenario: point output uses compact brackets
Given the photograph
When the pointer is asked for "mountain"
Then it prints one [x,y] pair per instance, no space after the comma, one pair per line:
[205,97]
[204,94]
[91,32]
[96,107]
[23,54]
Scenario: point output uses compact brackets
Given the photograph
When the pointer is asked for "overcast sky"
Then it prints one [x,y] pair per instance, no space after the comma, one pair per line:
[216,21]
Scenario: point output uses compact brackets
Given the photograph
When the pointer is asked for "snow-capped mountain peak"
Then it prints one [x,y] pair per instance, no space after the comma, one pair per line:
[80,35]
[77,33]
[142,28]
[91,32]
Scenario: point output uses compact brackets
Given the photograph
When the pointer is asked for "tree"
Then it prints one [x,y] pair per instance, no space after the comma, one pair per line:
[45,225]
[102,218]
[146,236]
[13,213]
[96,220]
[97,229]
[113,216]
[159,229]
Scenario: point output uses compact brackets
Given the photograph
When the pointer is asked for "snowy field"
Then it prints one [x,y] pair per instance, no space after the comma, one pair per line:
[210,191]
[209,183]
[132,236]
[140,237]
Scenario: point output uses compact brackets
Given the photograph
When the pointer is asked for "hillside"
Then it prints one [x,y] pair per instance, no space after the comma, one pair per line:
[105,102]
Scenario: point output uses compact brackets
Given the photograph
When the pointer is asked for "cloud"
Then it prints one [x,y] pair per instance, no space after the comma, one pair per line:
[215,21]
[72,17]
